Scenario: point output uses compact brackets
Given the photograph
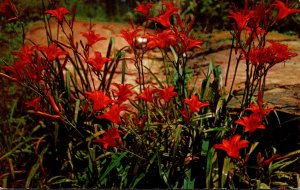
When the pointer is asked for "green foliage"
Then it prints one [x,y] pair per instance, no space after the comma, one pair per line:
[212,14]
[11,38]
[86,10]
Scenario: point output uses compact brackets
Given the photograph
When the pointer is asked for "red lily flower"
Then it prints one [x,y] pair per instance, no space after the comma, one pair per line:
[161,40]
[100,100]
[147,95]
[163,19]
[257,109]
[52,52]
[240,19]
[232,146]
[167,94]
[98,61]
[24,55]
[195,104]
[251,123]
[123,93]
[58,13]
[283,10]
[91,37]
[109,139]
[190,43]
[144,8]
[34,103]
[130,35]
[113,114]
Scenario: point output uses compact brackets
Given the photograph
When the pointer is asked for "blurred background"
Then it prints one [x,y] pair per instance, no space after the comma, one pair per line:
[210,14]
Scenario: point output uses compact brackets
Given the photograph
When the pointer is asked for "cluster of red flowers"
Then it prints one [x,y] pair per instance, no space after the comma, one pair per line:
[165,94]
[254,120]
[176,35]
[102,102]
[247,19]
[52,52]
[91,37]
[98,62]
[255,22]
[275,53]
[258,19]
[31,65]
[30,62]
[124,93]
[251,123]
[58,13]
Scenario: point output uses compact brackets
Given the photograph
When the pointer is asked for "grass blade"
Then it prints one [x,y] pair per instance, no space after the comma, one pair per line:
[114,163]
[35,168]
[225,170]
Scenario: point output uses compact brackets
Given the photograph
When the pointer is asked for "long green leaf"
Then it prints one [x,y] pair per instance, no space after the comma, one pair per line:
[174,54]
[106,65]
[284,161]
[187,182]
[113,70]
[136,180]
[59,180]
[254,145]
[34,168]
[283,164]
[68,82]
[14,149]
[114,163]
[204,147]
[177,139]
[123,71]
[12,111]
[164,174]
[76,110]
[32,172]
[225,170]
[209,164]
